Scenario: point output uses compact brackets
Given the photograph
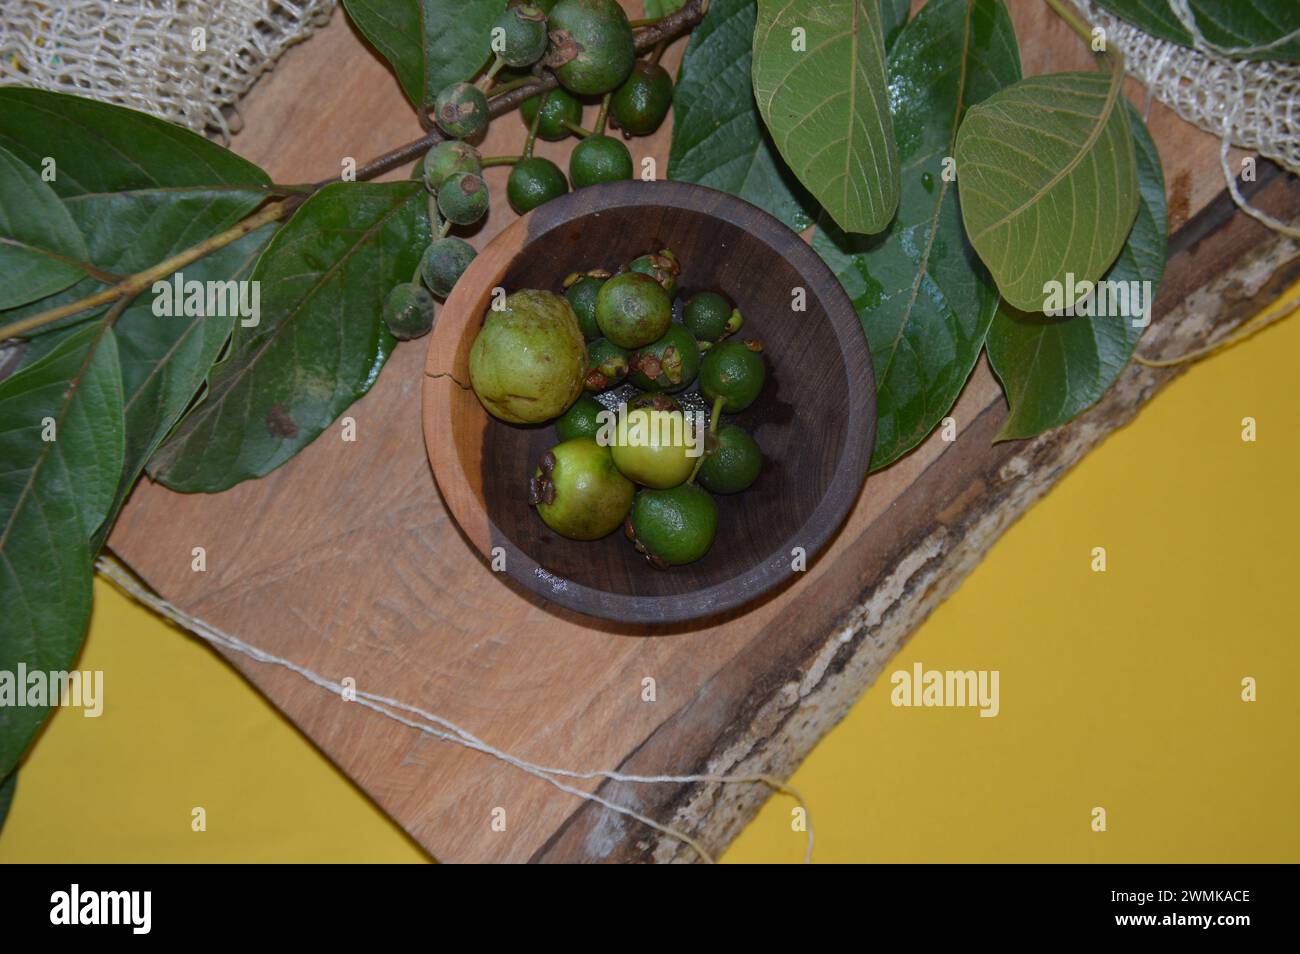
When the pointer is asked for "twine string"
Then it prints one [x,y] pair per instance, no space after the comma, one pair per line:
[444,729]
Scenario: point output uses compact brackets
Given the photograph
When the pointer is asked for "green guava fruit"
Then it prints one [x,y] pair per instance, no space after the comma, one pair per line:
[528,362]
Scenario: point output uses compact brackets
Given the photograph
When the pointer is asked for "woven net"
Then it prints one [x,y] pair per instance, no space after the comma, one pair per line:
[182,60]
[1253,105]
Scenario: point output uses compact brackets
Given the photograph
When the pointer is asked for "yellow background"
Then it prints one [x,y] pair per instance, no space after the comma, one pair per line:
[1119,689]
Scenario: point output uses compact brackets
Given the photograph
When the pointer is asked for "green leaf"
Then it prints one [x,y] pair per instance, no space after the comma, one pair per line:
[1048,183]
[128,232]
[321,340]
[95,147]
[166,360]
[718,137]
[1242,29]
[893,15]
[7,789]
[654,9]
[40,246]
[429,43]
[98,153]
[53,494]
[923,296]
[821,86]
[1054,368]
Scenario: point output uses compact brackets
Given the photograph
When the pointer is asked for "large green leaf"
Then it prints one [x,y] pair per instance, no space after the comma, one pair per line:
[99,153]
[54,493]
[40,245]
[130,231]
[893,17]
[718,137]
[7,789]
[166,361]
[1054,368]
[321,341]
[96,147]
[924,298]
[1047,180]
[1244,29]
[821,86]
[429,43]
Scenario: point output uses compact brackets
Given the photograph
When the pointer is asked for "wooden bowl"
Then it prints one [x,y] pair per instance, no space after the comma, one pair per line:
[815,420]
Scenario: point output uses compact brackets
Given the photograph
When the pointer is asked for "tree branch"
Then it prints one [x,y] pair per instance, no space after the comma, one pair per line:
[668,28]
[130,287]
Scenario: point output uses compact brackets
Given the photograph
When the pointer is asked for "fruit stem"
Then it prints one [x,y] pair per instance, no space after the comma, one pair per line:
[603,115]
[502,160]
[714,415]
[486,80]
[657,53]
[575,128]
[535,125]
[514,84]
[444,228]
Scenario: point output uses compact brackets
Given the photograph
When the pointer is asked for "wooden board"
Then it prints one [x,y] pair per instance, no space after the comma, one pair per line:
[345,560]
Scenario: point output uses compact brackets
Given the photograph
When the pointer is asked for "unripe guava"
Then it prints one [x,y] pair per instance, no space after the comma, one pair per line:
[529,360]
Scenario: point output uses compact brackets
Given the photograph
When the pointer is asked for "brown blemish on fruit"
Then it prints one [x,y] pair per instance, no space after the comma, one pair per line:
[648,365]
[564,48]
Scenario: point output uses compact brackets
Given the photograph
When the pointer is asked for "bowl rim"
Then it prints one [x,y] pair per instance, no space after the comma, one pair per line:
[463,310]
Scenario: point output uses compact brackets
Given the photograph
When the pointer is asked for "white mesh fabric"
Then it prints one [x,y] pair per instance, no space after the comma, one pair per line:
[140,53]
[1254,105]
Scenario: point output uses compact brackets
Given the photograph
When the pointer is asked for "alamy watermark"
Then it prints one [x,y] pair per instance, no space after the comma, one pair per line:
[948,688]
[1103,299]
[82,689]
[176,297]
[644,427]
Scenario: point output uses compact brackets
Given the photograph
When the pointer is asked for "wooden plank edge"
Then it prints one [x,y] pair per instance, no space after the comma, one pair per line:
[821,658]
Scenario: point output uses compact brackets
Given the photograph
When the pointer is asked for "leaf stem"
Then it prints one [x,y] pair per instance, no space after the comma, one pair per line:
[1070,18]
[132,285]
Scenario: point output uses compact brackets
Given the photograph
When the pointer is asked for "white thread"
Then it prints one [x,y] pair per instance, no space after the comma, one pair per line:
[383,705]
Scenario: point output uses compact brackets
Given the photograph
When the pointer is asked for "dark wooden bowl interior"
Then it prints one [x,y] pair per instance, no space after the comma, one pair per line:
[814,420]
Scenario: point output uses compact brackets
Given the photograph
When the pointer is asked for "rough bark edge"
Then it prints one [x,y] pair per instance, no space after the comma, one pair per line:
[808,691]
[851,658]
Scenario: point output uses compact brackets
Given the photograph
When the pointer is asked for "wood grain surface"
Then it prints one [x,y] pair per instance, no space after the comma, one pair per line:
[345,559]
